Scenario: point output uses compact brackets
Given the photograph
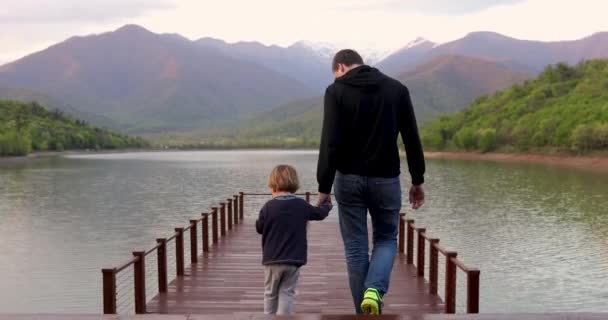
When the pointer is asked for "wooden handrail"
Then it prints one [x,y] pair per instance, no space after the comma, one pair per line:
[231,213]
[441,249]
[126,265]
[461,266]
[408,227]
[235,214]
[152,249]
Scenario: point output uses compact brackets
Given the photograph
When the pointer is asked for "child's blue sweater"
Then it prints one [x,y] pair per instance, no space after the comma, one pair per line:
[282,224]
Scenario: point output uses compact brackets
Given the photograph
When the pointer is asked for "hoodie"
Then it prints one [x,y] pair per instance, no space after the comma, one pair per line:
[282,223]
[364,113]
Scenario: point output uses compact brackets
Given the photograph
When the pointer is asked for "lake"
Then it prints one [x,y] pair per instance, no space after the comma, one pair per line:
[538,234]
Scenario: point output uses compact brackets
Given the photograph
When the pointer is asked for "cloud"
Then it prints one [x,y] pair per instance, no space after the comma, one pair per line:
[441,7]
[66,11]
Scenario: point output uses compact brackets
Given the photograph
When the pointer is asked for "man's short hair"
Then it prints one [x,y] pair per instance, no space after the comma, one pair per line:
[284,178]
[346,57]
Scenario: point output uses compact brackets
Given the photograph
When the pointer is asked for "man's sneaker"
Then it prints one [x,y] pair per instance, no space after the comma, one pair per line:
[372,302]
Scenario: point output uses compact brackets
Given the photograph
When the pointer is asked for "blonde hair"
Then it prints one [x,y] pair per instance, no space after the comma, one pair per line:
[284,178]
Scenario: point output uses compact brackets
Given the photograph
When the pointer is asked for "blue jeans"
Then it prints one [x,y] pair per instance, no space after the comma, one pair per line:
[382,197]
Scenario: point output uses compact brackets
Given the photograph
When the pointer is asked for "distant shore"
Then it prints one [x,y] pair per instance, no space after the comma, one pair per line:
[587,162]
[45,154]
[594,162]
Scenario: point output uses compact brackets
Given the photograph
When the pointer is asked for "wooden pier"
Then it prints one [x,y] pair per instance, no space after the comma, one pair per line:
[224,275]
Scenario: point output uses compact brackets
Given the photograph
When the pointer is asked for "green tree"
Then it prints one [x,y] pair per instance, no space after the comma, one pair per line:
[487,139]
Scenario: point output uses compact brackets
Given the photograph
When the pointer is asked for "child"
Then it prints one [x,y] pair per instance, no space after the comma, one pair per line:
[282,224]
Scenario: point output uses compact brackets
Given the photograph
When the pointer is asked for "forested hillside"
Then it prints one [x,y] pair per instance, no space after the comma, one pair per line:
[26,127]
[565,109]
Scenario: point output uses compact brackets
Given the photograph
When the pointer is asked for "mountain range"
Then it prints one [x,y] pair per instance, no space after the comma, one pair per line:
[148,81]
[143,82]
[523,55]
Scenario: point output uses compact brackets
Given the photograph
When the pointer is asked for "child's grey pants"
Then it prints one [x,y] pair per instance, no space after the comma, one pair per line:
[280,288]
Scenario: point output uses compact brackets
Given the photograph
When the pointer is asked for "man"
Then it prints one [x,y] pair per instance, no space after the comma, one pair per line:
[363,115]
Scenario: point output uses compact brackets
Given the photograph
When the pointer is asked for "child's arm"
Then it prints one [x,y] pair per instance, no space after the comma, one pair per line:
[259,224]
[319,213]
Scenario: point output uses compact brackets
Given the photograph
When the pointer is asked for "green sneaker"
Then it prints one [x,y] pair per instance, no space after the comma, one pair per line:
[372,302]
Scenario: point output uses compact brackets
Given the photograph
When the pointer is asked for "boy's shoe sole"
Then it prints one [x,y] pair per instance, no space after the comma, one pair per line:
[372,302]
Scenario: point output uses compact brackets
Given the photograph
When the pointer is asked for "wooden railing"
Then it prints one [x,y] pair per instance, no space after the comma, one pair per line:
[229,213]
[451,257]
[452,263]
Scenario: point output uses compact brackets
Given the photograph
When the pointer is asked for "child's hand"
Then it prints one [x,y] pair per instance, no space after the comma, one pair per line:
[324,200]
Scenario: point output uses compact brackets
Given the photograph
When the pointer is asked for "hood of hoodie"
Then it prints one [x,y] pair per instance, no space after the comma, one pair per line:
[364,78]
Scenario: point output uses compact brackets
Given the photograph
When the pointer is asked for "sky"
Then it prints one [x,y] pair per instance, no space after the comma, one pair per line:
[27,26]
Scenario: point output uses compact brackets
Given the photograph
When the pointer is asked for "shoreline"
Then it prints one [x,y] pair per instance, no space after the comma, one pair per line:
[592,163]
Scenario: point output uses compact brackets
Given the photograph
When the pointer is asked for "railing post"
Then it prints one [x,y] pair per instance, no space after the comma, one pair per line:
[402,233]
[473,291]
[229,205]
[241,205]
[421,251]
[450,282]
[433,266]
[162,264]
[109,290]
[205,235]
[236,209]
[193,241]
[139,279]
[179,252]
[307,197]
[214,230]
[410,241]
[223,219]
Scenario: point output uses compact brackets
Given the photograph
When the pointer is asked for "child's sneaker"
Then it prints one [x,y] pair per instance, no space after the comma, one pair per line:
[372,302]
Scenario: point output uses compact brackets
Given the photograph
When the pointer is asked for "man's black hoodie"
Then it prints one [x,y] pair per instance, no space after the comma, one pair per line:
[364,113]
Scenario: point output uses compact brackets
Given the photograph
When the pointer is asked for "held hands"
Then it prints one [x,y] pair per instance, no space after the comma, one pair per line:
[324,200]
[416,196]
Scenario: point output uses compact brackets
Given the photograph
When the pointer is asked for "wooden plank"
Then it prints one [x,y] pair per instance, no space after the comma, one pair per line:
[230,279]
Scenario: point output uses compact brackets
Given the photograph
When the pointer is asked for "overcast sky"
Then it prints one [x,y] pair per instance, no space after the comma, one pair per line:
[32,25]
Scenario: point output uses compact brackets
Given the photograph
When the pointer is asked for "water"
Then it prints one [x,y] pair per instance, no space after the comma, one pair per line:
[539,235]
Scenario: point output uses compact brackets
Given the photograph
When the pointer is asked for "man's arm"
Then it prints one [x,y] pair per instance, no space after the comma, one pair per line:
[326,166]
[411,139]
[413,149]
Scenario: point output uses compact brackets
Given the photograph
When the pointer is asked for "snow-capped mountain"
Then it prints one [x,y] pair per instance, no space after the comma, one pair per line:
[407,56]
[417,42]
[324,51]
[372,56]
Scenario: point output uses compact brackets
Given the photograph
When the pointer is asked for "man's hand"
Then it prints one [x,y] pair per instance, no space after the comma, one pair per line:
[416,196]
[324,199]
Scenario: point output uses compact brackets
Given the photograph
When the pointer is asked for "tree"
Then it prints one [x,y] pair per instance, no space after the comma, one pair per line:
[487,139]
